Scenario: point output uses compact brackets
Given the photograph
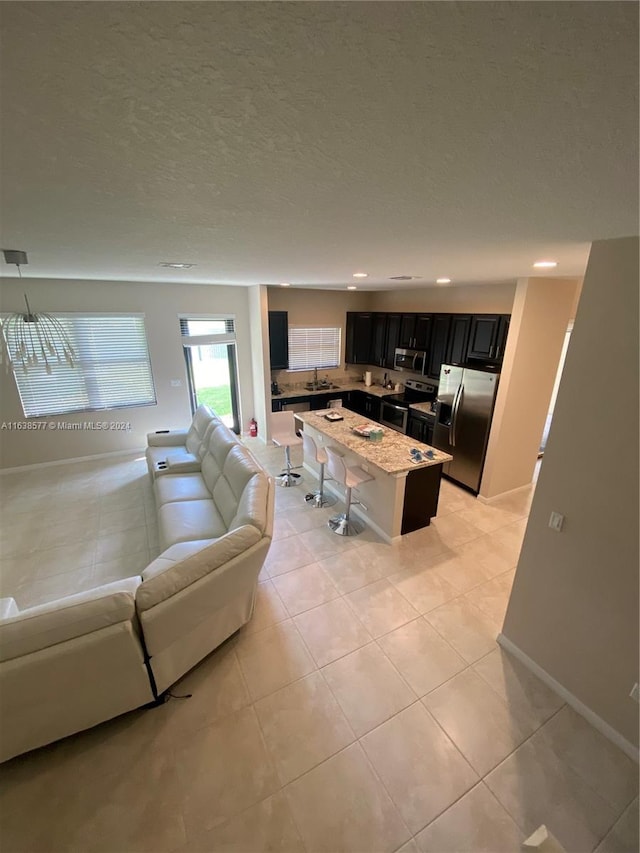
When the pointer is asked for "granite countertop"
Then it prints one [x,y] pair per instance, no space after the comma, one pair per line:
[422,407]
[391,454]
[376,390]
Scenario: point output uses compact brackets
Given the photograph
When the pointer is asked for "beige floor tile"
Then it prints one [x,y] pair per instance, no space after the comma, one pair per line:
[286,555]
[340,807]
[282,528]
[459,570]
[323,542]
[421,655]
[454,530]
[477,823]
[425,589]
[70,532]
[117,545]
[478,721]
[470,631]
[535,788]
[331,631]
[388,558]
[491,554]
[124,567]
[64,558]
[623,836]
[305,588]
[302,725]
[224,768]
[604,767]
[218,689]
[381,608]
[32,593]
[352,570]
[418,764]
[518,687]
[272,658]
[122,519]
[264,828]
[488,517]
[409,847]
[492,597]
[269,609]
[368,688]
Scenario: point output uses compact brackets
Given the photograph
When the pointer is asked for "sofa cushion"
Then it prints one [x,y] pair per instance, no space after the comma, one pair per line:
[197,432]
[166,578]
[238,469]
[183,521]
[180,487]
[58,621]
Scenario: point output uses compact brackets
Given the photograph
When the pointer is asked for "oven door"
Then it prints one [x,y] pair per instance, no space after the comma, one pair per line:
[394,416]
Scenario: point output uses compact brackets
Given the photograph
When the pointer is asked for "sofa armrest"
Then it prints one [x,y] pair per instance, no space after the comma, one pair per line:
[167,438]
[163,579]
[182,463]
[66,618]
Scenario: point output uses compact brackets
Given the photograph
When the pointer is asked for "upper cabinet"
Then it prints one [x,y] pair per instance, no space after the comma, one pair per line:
[279,340]
[487,337]
[372,338]
[358,345]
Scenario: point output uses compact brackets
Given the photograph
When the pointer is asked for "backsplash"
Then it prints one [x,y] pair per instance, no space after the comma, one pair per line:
[294,381]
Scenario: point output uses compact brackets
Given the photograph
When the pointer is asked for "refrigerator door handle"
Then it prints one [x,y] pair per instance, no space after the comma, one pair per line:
[454,416]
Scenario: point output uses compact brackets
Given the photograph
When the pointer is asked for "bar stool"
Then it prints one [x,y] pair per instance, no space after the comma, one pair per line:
[316,499]
[283,434]
[350,477]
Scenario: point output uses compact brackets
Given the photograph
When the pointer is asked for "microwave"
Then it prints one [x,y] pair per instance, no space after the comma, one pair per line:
[411,360]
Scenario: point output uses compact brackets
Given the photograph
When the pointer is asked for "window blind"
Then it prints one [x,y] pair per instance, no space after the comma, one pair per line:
[214,326]
[112,369]
[313,347]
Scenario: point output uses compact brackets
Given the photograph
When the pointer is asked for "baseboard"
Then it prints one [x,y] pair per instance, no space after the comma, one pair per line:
[597,722]
[72,460]
[516,491]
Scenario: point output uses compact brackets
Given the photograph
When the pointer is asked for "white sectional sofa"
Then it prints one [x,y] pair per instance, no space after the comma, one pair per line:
[70,664]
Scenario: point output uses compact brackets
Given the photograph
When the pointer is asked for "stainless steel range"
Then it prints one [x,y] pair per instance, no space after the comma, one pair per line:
[394,409]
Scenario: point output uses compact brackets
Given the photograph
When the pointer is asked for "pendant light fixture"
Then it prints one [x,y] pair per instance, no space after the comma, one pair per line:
[33,338]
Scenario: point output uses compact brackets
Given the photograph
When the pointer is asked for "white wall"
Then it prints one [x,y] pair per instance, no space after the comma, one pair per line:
[541,312]
[574,605]
[466,299]
[259,324]
[161,304]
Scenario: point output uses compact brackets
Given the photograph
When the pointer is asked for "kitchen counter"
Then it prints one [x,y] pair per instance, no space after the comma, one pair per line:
[290,394]
[390,455]
[422,407]
[400,496]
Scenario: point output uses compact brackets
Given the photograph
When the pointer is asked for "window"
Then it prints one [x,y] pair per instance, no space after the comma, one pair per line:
[212,375]
[309,348]
[112,368]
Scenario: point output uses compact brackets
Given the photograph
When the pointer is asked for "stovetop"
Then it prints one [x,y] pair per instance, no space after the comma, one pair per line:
[415,392]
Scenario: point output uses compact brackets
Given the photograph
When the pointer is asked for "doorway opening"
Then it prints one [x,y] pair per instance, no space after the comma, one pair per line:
[212,374]
[554,393]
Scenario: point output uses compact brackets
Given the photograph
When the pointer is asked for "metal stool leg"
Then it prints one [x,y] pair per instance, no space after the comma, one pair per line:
[318,499]
[342,524]
[288,478]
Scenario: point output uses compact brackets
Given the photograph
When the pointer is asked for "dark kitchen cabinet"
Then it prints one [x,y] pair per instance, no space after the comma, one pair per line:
[487,337]
[483,336]
[420,427]
[439,342]
[458,338]
[422,333]
[407,331]
[364,404]
[378,339]
[358,344]
[278,340]
[392,339]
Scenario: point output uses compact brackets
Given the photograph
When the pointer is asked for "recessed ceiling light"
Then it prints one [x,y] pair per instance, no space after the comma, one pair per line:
[443,281]
[360,274]
[351,287]
[545,265]
[174,265]
[285,284]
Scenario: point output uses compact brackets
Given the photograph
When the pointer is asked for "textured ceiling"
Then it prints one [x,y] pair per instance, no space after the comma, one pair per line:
[301,142]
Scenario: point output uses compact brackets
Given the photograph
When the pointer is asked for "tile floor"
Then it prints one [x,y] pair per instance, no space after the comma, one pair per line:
[366,707]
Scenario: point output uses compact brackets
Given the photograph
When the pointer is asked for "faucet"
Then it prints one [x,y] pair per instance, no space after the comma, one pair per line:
[315,378]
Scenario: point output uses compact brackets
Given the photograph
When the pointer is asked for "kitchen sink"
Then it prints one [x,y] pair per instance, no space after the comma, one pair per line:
[321,386]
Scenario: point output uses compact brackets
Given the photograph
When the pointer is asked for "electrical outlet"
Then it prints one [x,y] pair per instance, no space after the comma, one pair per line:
[176,383]
[635,692]
[556,520]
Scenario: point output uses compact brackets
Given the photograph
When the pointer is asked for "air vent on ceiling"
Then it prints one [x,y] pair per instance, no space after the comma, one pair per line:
[403,277]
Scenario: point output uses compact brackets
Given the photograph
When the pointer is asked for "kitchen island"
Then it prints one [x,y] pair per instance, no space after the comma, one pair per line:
[402,495]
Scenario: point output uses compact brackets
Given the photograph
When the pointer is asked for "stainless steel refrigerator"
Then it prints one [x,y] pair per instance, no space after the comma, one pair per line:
[464,409]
